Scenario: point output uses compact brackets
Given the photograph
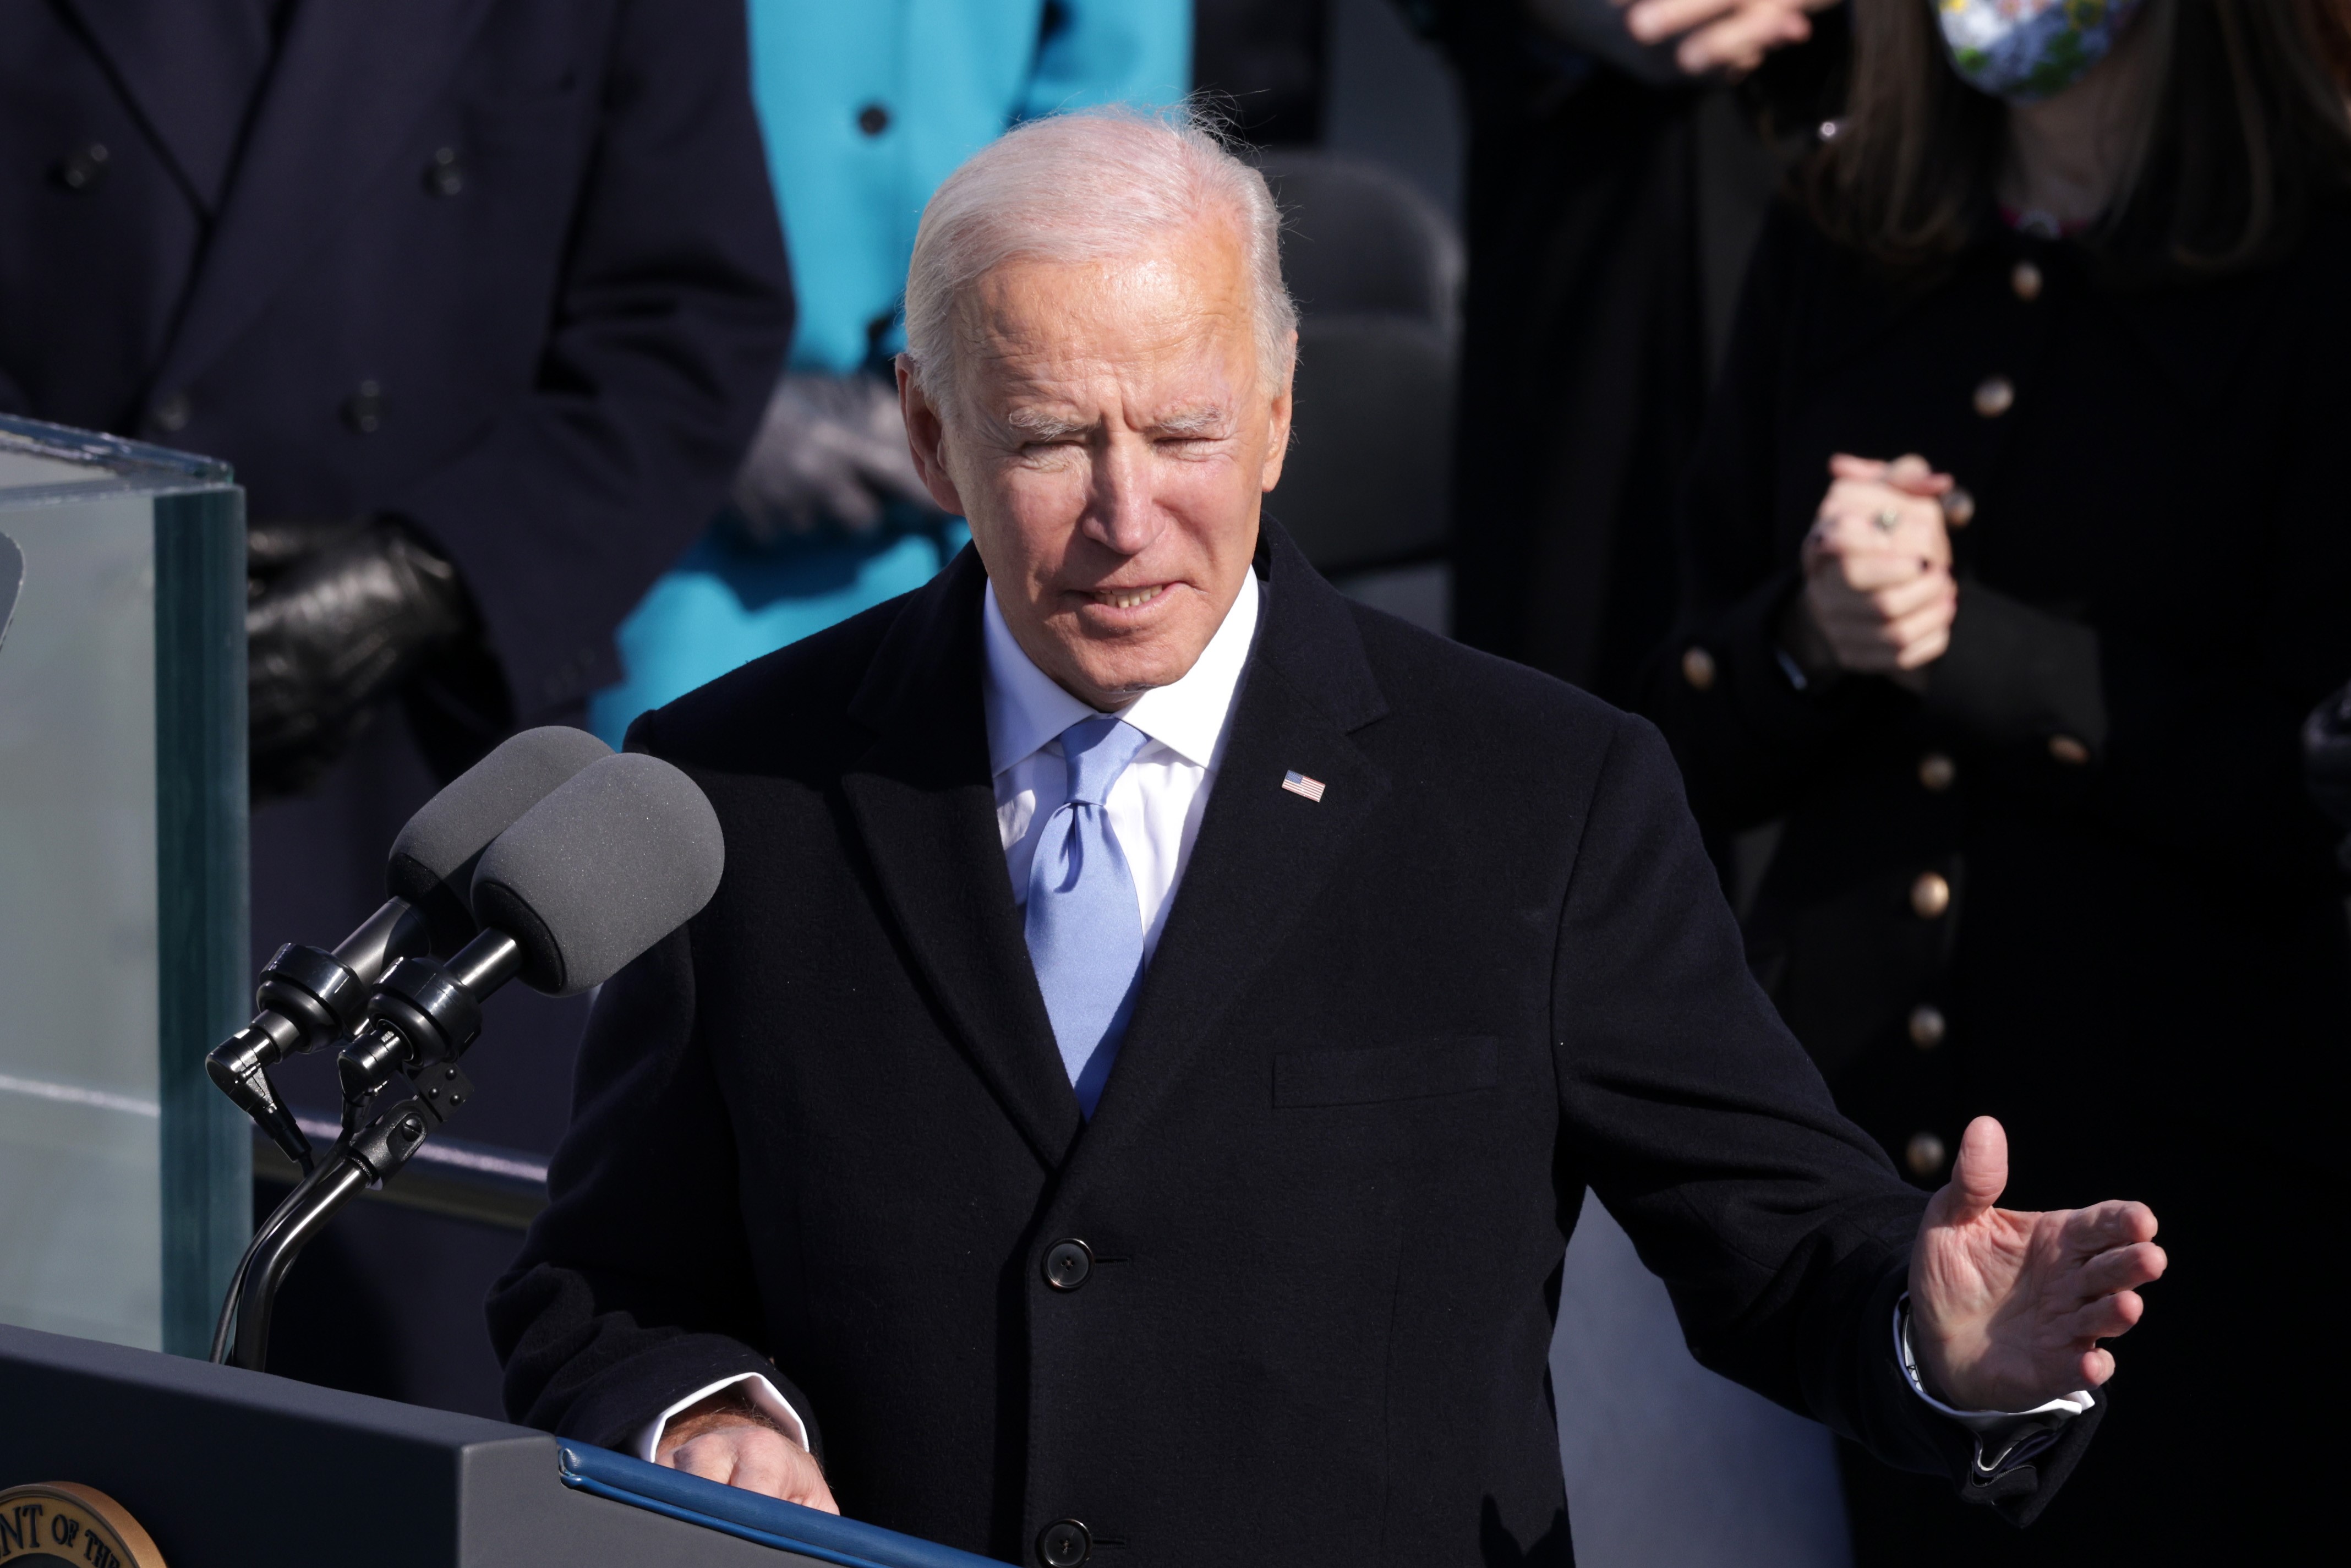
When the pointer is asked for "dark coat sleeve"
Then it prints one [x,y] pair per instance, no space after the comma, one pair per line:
[1778,1228]
[671,322]
[635,1285]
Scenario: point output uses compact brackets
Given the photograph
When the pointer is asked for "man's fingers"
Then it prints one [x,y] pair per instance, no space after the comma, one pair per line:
[2106,1317]
[709,1457]
[2096,1367]
[2123,1269]
[764,1467]
[1980,1172]
[2116,1223]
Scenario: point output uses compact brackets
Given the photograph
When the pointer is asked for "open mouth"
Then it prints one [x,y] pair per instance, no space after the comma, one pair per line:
[1129,597]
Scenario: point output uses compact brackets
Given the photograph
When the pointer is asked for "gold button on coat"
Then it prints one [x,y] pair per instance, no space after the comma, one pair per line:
[1929,896]
[1959,508]
[1927,1026]
[1924,1154]
[1697,669]
[2026,280]
[1995,396]
[2068,750]
[1935,771]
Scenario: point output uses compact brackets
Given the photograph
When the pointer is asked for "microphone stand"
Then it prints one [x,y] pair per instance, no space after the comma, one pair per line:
[419,1021]
[305,999]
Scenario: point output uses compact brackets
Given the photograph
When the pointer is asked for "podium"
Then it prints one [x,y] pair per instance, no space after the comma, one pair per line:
[225,1469]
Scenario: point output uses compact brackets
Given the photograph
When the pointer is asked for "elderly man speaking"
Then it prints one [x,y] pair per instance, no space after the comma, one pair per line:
[1129,1096]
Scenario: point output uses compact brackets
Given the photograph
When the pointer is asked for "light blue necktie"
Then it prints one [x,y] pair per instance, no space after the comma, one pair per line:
[1085,930]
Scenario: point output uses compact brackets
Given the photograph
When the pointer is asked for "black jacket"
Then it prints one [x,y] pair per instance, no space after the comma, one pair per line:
[1385,1041]
[2142,967]
[509,268]
[539,230]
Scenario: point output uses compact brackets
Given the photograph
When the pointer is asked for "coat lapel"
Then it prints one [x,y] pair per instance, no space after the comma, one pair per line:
[924,803]
[1264,853]
[350,83]
[190,69]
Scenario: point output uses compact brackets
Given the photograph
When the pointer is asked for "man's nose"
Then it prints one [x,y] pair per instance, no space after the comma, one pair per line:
[1121,512]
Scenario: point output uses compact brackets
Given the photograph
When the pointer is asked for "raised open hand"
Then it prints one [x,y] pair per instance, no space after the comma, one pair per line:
[2008,1308]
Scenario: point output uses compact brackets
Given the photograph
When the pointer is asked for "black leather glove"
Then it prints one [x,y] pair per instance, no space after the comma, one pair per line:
[337,615]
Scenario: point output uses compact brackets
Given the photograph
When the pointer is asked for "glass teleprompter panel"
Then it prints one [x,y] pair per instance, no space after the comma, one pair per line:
[122,881]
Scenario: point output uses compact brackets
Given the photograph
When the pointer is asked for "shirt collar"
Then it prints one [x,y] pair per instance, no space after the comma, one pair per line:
[1027,710]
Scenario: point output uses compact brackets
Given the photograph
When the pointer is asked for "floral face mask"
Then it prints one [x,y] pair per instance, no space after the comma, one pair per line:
[2029,49]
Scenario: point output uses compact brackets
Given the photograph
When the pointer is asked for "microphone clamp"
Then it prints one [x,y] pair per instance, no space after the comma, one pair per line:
[307,998]
[424,1015]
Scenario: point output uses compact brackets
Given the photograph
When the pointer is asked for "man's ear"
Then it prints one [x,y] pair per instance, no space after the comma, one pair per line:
[927,436]
[1278,446]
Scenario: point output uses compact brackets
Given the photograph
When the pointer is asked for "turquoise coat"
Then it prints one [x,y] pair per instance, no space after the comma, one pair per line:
[865,106]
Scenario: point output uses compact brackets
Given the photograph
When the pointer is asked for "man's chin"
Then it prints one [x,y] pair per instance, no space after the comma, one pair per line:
[1112,677]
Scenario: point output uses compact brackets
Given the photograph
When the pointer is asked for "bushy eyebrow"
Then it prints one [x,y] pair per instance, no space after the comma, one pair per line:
[1207,420]
[1038,426]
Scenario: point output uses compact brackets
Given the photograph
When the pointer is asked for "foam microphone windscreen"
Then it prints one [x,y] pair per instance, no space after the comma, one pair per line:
[432,863]
[619,857]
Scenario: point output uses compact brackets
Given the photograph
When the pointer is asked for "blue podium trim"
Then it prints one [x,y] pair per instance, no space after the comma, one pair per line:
[768,1521]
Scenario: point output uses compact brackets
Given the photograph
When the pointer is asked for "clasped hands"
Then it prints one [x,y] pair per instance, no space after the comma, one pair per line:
[1879,598]
[2007,1308]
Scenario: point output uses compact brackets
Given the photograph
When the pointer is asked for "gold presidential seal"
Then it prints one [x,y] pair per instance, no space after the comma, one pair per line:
[58,1521]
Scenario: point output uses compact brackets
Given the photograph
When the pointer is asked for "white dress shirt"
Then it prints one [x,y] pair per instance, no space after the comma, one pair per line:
[1156,804]
[1156,807]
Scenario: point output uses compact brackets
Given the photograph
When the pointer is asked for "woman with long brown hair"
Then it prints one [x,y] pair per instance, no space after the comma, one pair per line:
[2018,545]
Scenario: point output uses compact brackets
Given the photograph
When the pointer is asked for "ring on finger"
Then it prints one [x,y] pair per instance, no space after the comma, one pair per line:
[1887,519]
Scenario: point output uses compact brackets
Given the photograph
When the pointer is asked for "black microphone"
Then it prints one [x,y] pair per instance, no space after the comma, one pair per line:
[609,863]
[612,861]
[307,998]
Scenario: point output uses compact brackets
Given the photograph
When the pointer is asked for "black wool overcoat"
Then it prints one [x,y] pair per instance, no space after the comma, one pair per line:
[1387,1038]
[509,269]
[2079,883]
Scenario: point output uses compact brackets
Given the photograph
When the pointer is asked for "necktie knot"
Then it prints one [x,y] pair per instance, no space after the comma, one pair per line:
[1097,751]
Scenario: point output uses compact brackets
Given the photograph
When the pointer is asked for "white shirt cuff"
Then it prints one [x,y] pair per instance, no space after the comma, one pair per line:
[2004,1439]
[764,1399]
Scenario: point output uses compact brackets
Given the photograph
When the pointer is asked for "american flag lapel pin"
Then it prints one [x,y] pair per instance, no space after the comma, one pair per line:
[1296,783]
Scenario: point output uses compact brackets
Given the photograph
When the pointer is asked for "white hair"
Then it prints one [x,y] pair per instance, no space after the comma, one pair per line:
[1096,184]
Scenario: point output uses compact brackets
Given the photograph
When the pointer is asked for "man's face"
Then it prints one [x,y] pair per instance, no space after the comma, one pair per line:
[1113,433]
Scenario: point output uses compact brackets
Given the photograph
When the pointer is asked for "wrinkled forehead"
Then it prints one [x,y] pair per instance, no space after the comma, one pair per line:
[1033,326]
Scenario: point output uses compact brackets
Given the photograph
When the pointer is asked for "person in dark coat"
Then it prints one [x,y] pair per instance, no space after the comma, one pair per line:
[2018,549]
[482,298]
[1130,1089]
[1615,185]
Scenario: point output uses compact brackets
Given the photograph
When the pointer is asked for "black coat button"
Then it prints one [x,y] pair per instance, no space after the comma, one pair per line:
[363,410]
[1063,1543]
[1067,1264]
[173,414]
[874,120]
[444,172]
[84,169]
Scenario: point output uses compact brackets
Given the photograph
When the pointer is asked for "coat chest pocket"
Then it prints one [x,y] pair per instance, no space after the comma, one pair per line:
[1420,1071]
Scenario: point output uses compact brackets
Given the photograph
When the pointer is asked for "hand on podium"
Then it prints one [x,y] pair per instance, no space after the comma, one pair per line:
[725,1439]
[2008,1308]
